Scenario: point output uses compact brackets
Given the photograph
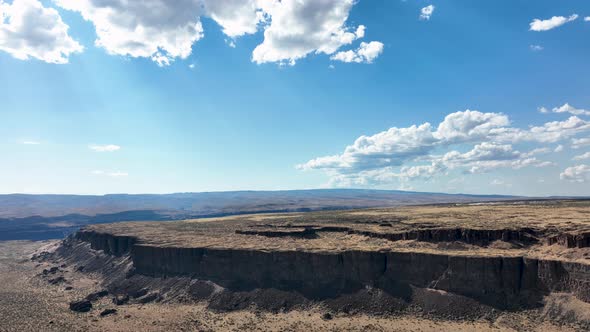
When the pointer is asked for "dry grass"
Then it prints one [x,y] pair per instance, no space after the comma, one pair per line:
[546,218]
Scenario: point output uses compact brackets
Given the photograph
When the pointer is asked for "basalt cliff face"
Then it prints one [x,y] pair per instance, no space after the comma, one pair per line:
[502,282]
[506,265]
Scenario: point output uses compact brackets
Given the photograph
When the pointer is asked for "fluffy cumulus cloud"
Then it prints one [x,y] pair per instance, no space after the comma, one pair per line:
[366,53]
[426,12]
[29,30]
[578,173]
[165,30]
[389,148]
[104,148]
[552,23]
[158,29]
[464,126]
[425,151]
[486,157]
[565,108]
[236,17]
[550,132]
[300,27]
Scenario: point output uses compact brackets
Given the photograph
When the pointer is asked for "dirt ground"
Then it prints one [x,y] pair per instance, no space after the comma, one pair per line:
[29,303]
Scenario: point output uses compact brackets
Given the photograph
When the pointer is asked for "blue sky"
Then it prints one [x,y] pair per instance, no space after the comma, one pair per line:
[98,107]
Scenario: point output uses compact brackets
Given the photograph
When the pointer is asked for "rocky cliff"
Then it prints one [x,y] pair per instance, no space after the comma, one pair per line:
[510,282]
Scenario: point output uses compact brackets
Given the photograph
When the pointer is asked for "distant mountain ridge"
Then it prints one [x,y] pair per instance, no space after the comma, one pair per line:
[24,205]
[40,217]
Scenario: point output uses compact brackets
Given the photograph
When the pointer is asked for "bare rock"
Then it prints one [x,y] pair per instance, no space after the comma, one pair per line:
[97,295]
[139,293]
[81,306]
[57,281]
[121,299]
[107,312]
[149,298]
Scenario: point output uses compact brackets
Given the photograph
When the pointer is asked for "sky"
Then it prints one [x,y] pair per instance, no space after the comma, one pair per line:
[157,96]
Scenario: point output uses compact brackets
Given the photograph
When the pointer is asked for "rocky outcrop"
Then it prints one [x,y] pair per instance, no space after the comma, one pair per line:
[81,306]
[107,312]
[112,245]
[292,232]
[502,282]
[471,236]
[481,237]
[581,240]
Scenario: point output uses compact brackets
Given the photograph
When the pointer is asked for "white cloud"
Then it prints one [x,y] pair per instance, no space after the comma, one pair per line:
[397,146]
[104,148]
[231,42]
[579,173]
[498,182]
[552,23]
[30,142]
[298,28]
[29,30]
[164,30]
[157,29]
[236,17]
[580,142]
[483,158]
[536,48]
[537,151]
[392,147]
[582,156]
[469,125]
[401,153]
[113,174]
[587,18]
[565,108]
[426,12]
[366,53]
[486,157]
[549,132]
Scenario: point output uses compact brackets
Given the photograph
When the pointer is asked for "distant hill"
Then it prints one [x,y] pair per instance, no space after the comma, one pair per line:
[54,216]
[205,203]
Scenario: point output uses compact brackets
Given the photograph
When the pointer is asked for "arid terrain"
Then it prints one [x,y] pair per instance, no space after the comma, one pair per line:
[45,217]
[518,266]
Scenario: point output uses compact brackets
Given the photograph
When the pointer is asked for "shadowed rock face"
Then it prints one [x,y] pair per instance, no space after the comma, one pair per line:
[571,240]
[112,245]
[502,282]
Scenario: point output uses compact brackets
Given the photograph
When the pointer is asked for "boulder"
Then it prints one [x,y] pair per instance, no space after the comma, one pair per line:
[107,312]
[121,299]
[97,295]
[81,306]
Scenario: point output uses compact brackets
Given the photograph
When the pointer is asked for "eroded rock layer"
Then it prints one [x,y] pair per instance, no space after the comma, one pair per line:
[506,257]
